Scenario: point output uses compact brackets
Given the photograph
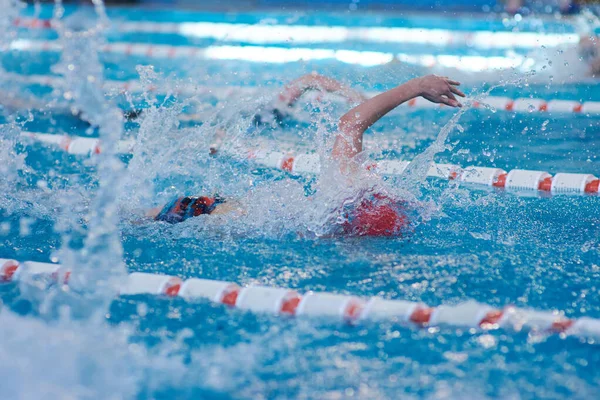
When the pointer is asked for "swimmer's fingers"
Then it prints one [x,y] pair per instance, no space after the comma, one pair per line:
[449,101]
[452,85]
[450,94]
[456,91]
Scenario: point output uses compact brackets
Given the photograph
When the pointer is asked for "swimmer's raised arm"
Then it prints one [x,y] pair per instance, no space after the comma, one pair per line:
[296,88]
[355,122]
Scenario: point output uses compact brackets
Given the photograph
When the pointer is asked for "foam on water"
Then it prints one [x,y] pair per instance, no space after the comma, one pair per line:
[97,268]
[95,359]
[10,162]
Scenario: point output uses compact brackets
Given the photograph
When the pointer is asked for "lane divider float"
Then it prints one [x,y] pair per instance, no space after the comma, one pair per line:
[280,55]
[518,180]
[261,34]
[352,309]
[499,103]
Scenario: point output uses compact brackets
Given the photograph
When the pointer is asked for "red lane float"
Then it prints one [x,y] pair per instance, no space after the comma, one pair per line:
[11,270]
[32,23]
[517,180]
[528,105]
[561,183]
[284,301]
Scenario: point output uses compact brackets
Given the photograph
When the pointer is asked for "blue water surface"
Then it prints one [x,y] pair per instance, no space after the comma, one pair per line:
[488,245]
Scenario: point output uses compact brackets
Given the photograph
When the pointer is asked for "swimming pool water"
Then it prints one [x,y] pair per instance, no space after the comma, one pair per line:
[491,246]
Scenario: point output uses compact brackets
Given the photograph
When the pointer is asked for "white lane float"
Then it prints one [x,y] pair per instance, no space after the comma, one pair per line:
[337,307]
[518,180]
[275,33]
[499,103]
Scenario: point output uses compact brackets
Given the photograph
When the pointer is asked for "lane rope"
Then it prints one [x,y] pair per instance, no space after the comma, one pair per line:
[352,309]
[257,33]
[279,55]
[499,103]
[518,180]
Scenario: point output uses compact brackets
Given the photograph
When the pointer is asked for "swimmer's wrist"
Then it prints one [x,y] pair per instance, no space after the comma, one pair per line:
[415,87]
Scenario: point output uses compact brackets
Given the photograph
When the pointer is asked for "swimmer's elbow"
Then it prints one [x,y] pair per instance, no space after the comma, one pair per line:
[153,212]
[348,144]
[347,122]
[350,124]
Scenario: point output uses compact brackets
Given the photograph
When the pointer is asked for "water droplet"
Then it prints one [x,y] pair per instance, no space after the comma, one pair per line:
[42,184]
[142,309]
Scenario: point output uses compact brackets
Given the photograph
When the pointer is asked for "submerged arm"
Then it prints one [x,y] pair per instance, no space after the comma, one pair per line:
[355,122]
[295,89]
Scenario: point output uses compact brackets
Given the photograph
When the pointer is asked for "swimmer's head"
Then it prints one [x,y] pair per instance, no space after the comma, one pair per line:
[589,47]
[268,116]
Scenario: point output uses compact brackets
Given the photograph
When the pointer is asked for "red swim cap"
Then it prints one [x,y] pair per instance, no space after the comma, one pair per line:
[377,217]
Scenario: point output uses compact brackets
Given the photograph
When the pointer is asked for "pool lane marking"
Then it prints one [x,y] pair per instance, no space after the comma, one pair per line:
[280,55]
[351,309]
[263,34]
[523,105]
[519,180]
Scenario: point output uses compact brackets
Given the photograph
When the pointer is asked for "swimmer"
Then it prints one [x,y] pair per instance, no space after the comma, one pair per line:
[564,6]
[278,111]
[589,51]
[376,214]
[11,103]
[583,59]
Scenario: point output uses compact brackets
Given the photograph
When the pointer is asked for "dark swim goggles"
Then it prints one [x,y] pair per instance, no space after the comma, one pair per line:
[182,208]
[269,117]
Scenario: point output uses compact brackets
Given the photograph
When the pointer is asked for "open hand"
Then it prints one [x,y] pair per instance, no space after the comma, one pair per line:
[439,89]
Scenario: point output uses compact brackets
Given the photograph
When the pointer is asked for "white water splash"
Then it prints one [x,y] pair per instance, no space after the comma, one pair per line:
[98,267]
[78,360]
[10,11]
[10,162]
[416,172]
[161,147]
